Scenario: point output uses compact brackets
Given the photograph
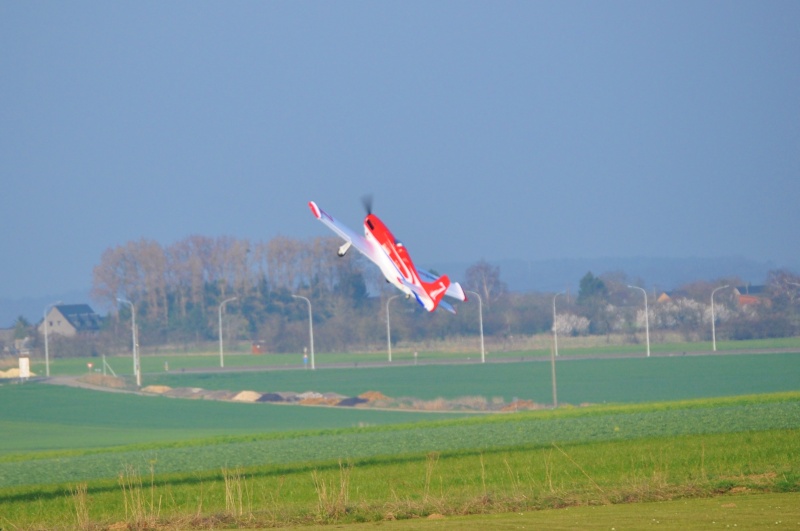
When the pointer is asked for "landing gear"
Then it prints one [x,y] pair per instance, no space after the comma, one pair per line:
[343,249]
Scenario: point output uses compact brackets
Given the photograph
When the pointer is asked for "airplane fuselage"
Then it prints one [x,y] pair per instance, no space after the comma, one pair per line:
[396,264]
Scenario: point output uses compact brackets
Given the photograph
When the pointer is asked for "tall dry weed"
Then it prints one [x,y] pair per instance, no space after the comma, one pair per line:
[80,499]
[333,500]
[516,484]
[430,465]
[237,493]
[139,513]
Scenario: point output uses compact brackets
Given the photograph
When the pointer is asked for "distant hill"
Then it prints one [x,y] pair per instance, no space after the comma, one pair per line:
[660,273]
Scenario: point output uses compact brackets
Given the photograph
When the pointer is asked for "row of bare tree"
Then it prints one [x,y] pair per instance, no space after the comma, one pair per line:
[177,291]
[180,276]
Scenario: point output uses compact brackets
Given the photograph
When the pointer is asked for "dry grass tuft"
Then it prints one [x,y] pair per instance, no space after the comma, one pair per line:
[81,502]
[332,500]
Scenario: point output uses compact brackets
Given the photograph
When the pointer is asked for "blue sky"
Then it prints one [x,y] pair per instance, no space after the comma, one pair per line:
[495,130]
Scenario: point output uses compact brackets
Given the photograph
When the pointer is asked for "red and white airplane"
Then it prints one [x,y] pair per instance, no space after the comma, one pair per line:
[390,255]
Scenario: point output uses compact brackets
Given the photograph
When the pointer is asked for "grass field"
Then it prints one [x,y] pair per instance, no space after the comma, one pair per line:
[199,450]
[73,458]
[578,381]
[568,458]
[762,511]
[538,347]
[38,417]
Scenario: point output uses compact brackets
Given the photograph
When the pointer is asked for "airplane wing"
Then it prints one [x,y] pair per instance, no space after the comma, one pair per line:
[358,241]
[454,290]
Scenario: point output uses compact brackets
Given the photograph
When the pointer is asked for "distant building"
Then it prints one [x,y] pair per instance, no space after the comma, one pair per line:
[749,295]
[667,296]
[70,320]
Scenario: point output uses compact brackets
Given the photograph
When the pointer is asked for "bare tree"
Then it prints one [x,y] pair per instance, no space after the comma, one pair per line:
[259,259]
[230,265]
[153,266]
[184,274]
[283,260]
[784,284]
[485,279]
[107,276]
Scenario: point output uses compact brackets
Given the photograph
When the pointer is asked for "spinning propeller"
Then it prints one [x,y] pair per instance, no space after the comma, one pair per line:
[366,200]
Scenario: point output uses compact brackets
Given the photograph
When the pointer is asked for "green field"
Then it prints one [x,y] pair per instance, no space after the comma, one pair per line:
[578,381]
[674,427]
[39,417]
[762,511]
[203,358]
[522,462]
[90,457]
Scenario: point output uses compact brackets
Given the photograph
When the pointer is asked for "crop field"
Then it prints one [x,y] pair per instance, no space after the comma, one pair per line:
[84,461]
[43,418]
[526,461]
[672,428]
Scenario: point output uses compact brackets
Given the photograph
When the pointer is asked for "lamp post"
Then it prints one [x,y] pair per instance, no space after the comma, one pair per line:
[137,371]
[646,318]
[46,343]
[222,305]
[713,326]
[389,328]
[310,327]
[554,353]
[480,324]
[555,332]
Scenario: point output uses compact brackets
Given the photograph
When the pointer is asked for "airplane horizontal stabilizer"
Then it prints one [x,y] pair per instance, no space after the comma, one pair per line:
[435,291]
[447,306]
[454,290]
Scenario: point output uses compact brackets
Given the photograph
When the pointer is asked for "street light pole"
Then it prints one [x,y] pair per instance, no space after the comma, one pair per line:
[713,325]
[222,305]
[554,353]
[137,369]
[310,327]
[46,343]
[555,332]
[646,318]
[480,323]
[389,328]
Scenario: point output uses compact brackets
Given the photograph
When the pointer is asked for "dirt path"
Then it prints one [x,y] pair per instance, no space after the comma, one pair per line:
[75,381]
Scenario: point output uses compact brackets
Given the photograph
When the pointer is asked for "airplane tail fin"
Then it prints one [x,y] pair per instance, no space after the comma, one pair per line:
[435,291]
